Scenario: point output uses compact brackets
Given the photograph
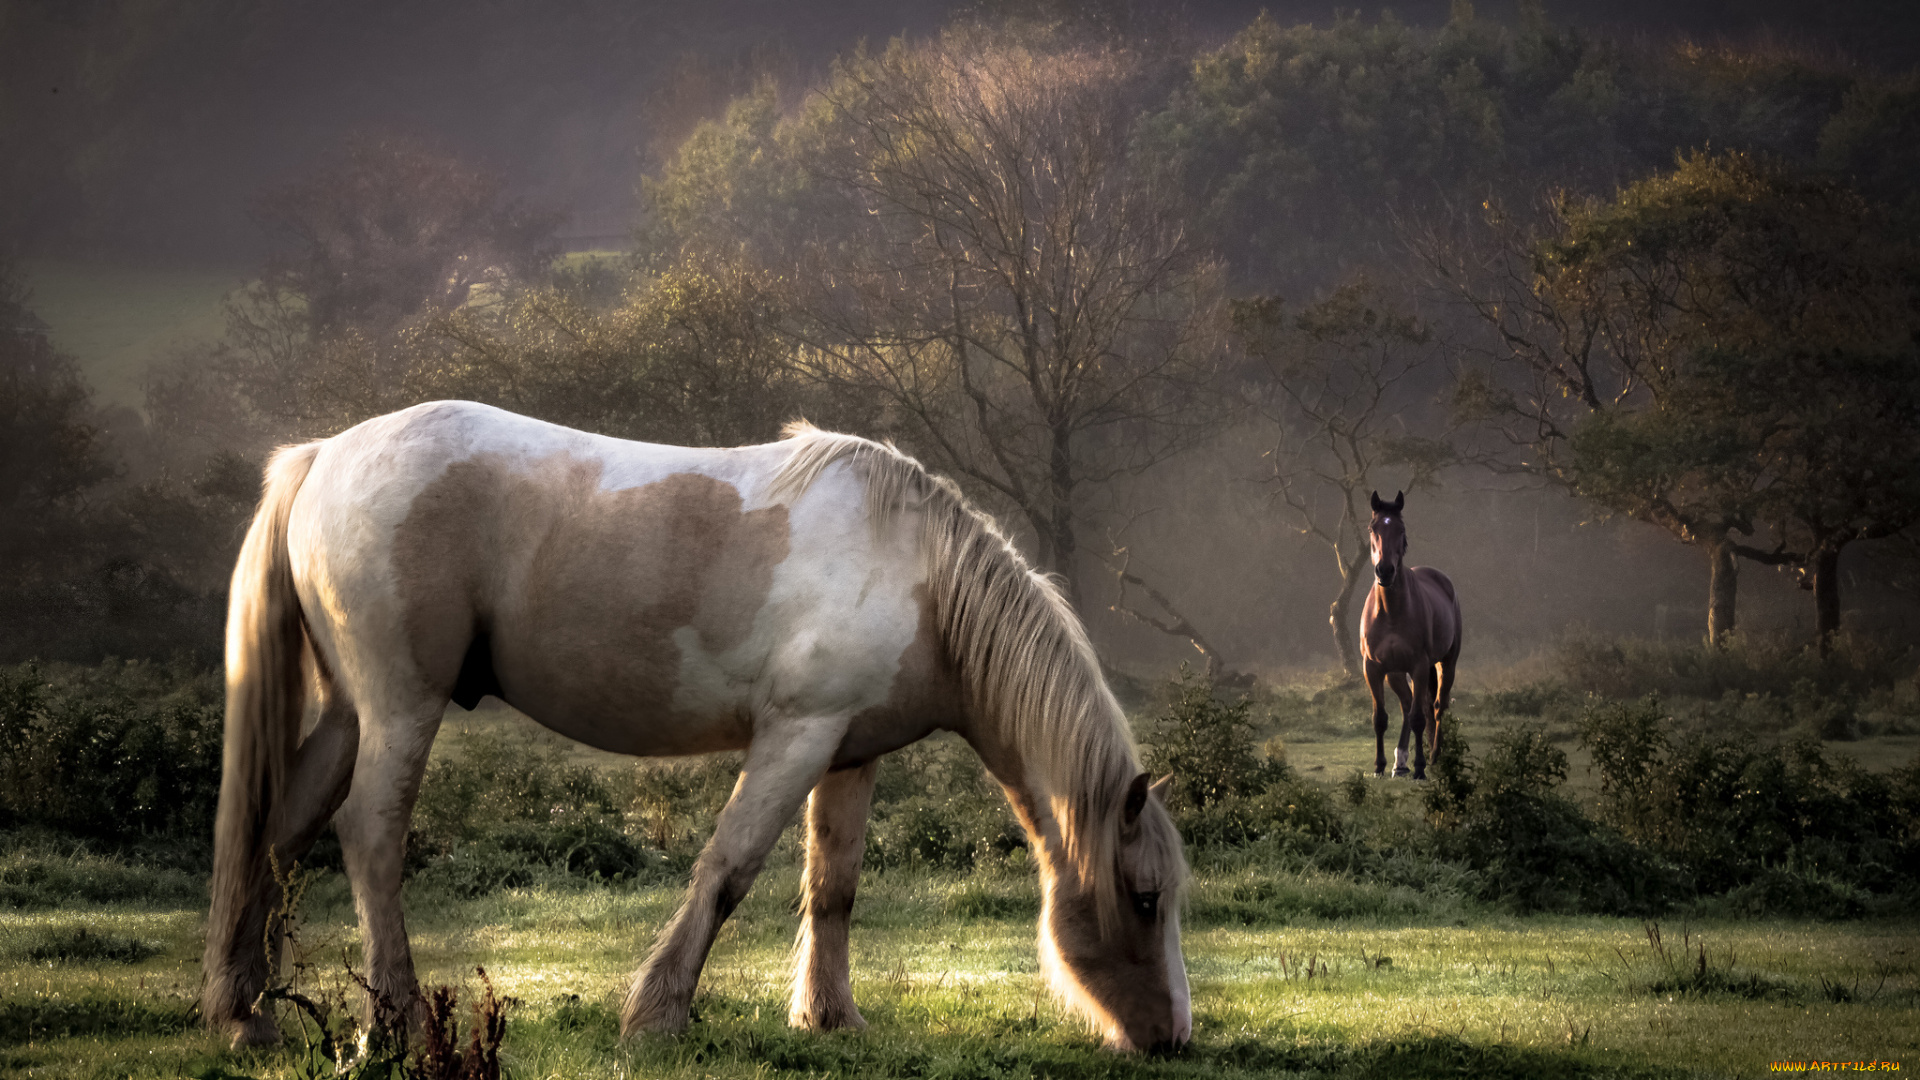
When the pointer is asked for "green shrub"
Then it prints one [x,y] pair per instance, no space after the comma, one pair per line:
[1779,828]
[118,752]
[509,811]
[674,803]
[569,849]
[1745,664]
[935,806]
[1531,848]
[497,778]
[1226,792]
[1531,700]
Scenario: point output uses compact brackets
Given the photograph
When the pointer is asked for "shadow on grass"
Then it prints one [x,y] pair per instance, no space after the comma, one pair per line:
[79,945]
[39,1018]
[726,1036]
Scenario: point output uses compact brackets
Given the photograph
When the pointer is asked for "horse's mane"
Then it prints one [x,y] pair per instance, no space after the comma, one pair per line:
[1019,649]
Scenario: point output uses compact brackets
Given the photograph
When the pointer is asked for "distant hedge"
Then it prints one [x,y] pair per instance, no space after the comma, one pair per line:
[122,751]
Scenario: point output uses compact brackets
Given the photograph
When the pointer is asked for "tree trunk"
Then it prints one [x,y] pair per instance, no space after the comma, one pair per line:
[1826,598]
[1337,616]
[1723,587]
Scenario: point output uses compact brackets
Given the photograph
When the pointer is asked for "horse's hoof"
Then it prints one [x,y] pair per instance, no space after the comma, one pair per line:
[256,1030]
[1401,774]
[659,1019]
[848,1019]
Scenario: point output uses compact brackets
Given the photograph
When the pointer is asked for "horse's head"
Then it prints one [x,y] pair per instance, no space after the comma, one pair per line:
[1122,967]
[1387,535]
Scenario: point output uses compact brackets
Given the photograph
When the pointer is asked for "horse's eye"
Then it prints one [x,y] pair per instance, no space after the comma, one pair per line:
[1147,904]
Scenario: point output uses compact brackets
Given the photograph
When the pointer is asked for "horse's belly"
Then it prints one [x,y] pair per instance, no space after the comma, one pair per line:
[614,700]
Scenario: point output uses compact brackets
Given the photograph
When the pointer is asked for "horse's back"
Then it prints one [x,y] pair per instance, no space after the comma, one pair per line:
[638,597]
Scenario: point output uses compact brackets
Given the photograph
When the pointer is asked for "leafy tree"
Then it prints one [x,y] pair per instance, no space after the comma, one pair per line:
[1341,389]
[1839,435]
[1310,146]
[1697,352]
[384,235]
[1296,139]
[388,228]
[686,357]
[93,562]
[52,451]
[737,188]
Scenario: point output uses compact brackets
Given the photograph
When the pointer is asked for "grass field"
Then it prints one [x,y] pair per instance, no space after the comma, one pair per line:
[953,994]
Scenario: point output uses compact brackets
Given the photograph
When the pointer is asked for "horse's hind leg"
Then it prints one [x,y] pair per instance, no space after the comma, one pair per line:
[1398,681]
[1447,666]
[836,840]
[244,955]
[395,738]
[1419,716]
[784,762]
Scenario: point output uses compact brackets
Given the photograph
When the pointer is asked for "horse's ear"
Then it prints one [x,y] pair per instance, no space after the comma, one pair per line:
[1399,501]
[1378,506]
[1161,788]
[1136,798]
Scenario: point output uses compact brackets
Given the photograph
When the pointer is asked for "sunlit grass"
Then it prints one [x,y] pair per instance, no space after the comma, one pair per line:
[1429,991]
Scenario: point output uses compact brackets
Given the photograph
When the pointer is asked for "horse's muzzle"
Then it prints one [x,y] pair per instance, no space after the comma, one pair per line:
[1383,574]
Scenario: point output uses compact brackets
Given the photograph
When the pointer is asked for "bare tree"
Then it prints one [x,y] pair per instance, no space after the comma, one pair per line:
[1012,281]
[1341,393]
[1159,611]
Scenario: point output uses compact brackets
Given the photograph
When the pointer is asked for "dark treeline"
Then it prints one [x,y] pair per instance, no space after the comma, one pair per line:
[1171,310]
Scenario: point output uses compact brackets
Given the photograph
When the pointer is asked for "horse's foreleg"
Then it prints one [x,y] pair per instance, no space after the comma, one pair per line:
[372,825]
[244,955]
[836,840]
[1375,675]
[784,762]
[1398,681]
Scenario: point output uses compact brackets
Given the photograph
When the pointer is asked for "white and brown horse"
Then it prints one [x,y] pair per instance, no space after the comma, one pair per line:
[1410,628]
[816,602]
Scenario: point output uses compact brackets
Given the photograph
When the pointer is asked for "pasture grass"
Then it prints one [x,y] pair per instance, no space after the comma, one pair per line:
[946,975]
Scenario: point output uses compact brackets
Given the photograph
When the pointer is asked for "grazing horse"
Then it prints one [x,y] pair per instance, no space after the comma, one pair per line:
[1410,627]
[816,602]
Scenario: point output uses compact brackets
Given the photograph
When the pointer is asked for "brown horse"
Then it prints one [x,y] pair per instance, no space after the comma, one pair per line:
[1411,627]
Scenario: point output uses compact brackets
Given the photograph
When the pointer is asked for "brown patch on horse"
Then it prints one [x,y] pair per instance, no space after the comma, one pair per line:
[580,592]
[438,566]
[925,697]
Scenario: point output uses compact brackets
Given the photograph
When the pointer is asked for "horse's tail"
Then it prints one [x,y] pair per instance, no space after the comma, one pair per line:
[265,691]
